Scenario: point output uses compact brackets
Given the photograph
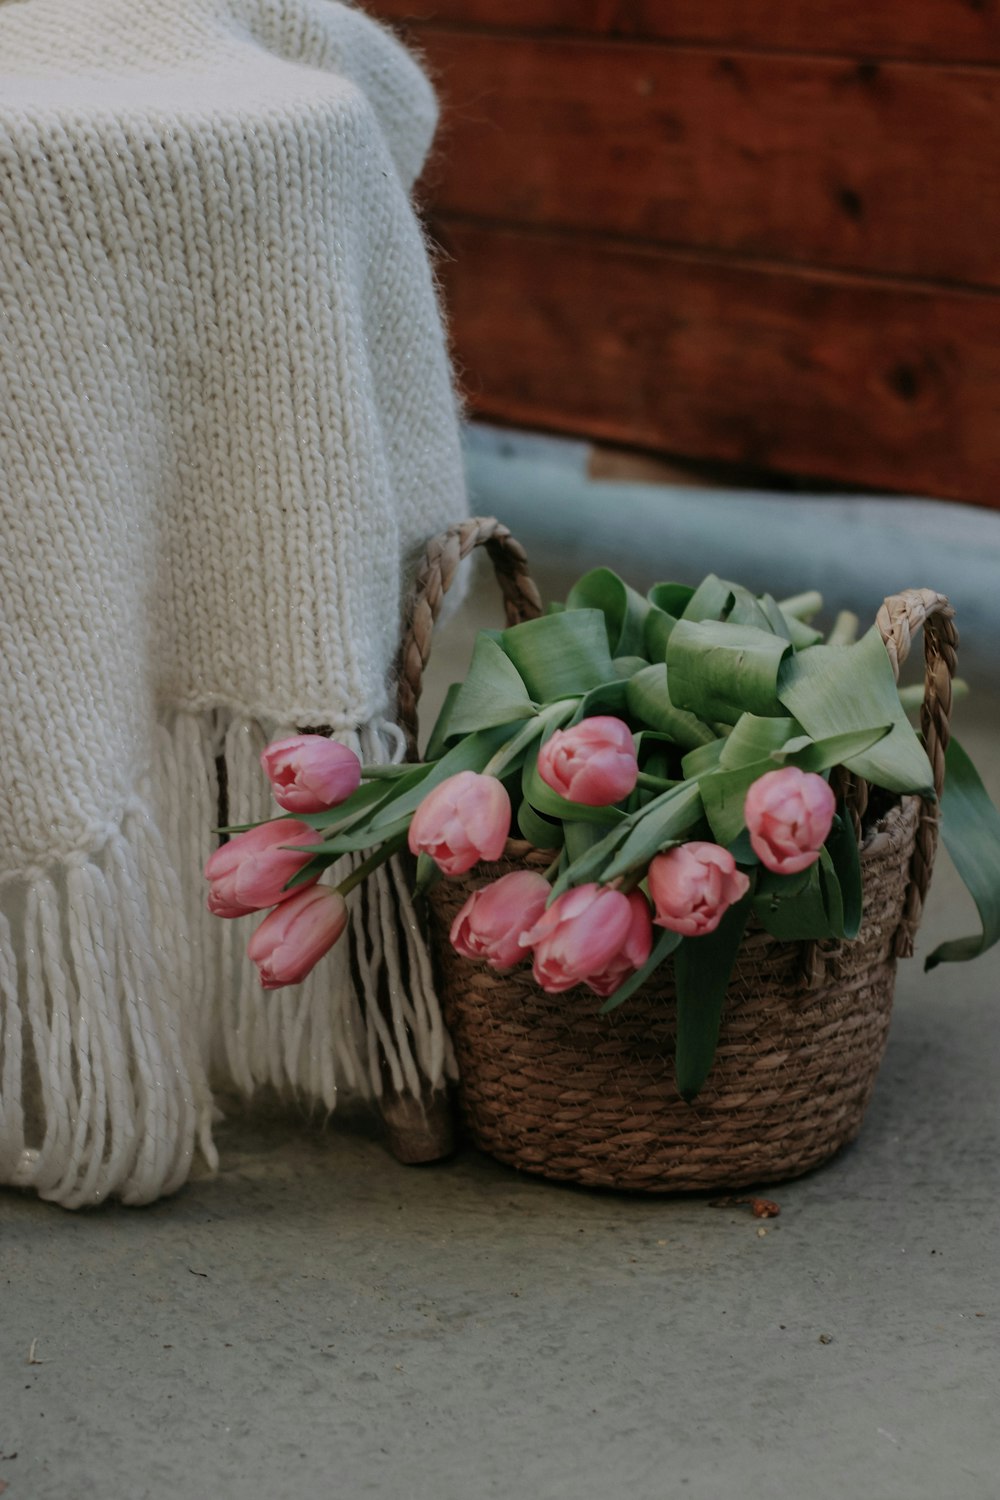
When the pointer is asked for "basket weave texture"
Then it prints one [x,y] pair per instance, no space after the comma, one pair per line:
[549,1085]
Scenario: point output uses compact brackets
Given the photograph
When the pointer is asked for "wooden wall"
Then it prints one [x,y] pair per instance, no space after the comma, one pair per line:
[760,232]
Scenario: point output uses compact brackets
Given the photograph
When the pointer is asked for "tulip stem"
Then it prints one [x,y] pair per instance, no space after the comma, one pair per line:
[802,606]
[845,629]
[655,783]
[390,773]
[376,858]
[553,713]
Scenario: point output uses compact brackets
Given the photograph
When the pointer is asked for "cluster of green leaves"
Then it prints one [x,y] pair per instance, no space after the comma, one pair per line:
[718,686]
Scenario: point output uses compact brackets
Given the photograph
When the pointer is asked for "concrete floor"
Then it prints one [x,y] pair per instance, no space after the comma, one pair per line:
[317,1320]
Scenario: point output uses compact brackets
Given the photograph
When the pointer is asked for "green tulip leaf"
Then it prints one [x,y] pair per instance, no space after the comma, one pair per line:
[820,755]
[970,827]
[492,693]
[657,826]
[672,598]
[755,738]
[720,671]
[704,758]
[561,656]
[845,860]
[610,698]
[834,689]
[361,803]
[793,908]
[438,741]
[659,624]
[543,833]
[623,608]
[582,837]
[590,865]
[627,666]
[723,794]
[711,600]
[702,970]
[787,625]
[665,944]
[648,700]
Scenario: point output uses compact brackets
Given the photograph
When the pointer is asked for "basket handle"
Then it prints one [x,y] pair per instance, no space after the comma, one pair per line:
[436,575]
[900,616]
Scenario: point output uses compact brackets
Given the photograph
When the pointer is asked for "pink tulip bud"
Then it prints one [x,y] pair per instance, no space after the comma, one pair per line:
[248,873]
[693,886]
[294,937]
[460,821]
[491,921]
[632,954]
[788,814]
[594,762]
[309,773]
[578,936]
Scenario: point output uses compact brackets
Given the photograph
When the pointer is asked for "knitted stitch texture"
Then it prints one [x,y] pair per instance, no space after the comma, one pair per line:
[226,419]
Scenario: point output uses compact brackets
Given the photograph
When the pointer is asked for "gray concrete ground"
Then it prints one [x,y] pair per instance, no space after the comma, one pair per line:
[317,1320]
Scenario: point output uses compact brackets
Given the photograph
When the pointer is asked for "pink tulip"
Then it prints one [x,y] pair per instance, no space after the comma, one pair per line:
[248,873]
[633,953]
[578,936]
[464,819]
[594,762]
[693,886]
[491,921]
[788,814]
[293,938]
[309,773]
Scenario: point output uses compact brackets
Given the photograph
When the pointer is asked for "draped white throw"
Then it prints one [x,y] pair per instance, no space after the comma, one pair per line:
[226,420]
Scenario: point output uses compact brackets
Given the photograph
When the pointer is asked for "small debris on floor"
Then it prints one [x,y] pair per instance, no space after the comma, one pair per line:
[31,1354]
[761,1208]
[825,1338]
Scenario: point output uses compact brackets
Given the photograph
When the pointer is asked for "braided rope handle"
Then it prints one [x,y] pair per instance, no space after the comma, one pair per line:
[437,573]
[898,620]
[900,617]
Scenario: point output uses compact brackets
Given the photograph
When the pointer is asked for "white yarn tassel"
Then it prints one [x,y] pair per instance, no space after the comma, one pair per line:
[12,1138]
[120,995]
[103,1087]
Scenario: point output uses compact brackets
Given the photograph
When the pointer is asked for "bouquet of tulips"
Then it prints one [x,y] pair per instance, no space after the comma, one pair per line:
[674,753]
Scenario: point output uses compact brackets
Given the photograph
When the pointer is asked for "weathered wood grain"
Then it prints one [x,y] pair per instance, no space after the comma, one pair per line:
[824,374]
[954,30]
[890,168]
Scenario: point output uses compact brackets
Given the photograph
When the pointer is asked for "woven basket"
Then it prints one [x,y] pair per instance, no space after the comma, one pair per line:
[549,1085]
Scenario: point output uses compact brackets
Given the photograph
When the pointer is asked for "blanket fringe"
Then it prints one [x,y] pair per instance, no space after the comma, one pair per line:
[103,1086]
[121,997]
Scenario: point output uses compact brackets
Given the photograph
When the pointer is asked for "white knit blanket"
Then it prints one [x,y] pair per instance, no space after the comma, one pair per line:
[226,418]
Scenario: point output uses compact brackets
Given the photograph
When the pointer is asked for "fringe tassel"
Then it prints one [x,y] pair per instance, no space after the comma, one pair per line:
[120,996]
[103,1086]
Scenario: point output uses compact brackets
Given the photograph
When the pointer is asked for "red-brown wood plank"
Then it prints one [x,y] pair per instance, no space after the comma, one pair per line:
[959,30]
[894,387]
[884,167]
